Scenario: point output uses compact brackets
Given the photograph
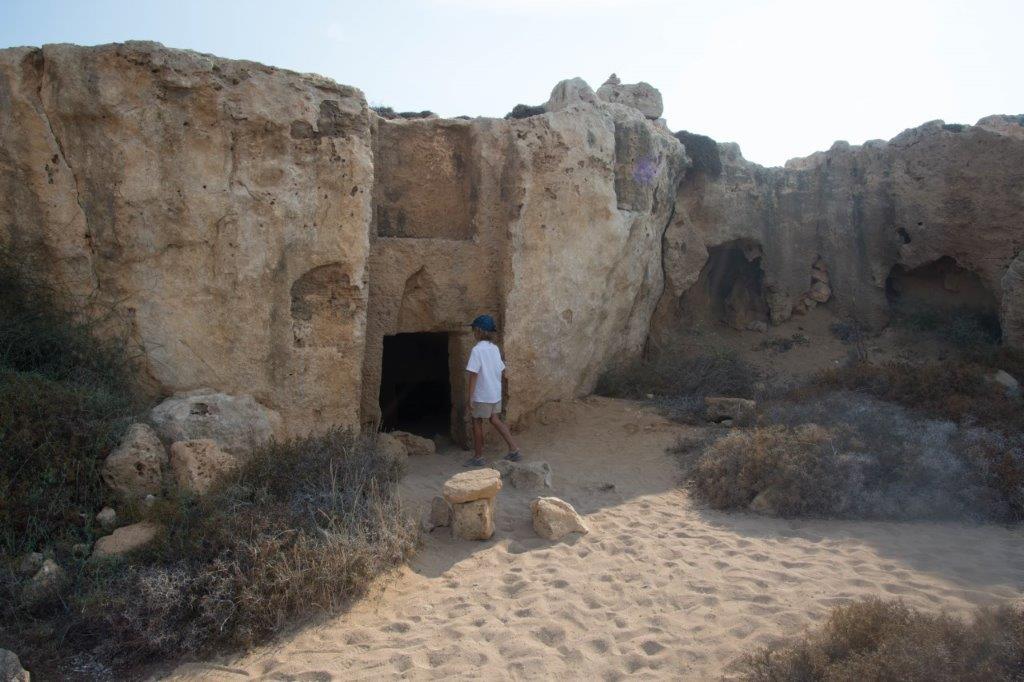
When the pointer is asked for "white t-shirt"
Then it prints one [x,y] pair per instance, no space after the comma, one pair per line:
[485,361]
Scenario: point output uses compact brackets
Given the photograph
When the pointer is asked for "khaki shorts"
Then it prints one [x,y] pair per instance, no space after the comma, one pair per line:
[485,410]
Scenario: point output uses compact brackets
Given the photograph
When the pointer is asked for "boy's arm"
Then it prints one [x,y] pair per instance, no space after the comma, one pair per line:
[471,377]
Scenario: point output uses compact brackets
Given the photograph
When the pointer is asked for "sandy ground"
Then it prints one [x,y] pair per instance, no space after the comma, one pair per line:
[659,589]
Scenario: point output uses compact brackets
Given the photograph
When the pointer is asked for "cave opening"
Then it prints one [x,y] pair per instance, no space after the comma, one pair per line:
[943,296]
[730,287]
[415,385]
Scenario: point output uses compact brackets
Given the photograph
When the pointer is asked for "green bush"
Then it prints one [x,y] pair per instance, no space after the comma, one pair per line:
[65,399]
[887,640]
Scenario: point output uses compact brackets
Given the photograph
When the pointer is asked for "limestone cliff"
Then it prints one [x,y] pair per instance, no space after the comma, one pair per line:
[941,194]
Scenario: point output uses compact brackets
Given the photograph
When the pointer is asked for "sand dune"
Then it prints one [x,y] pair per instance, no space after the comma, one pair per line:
[659,589]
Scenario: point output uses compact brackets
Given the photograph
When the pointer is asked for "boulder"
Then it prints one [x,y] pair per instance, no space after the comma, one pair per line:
[525,475]
[641,96]
[478,484]
[570,92]
[415,445]
[198,464]
[820,292]
[10,668]
[238,424]
[1007,381]
[135,468]
[390,446]
[107,518]
[29,564]
[439,515]
[125,539]
[48,582]
[554,518]
[473,520]
[736,409]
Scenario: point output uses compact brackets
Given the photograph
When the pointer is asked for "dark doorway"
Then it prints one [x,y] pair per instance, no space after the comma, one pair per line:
[415,390]
[730,287]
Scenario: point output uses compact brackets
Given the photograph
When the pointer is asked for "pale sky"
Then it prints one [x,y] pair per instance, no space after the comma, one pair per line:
[782,78]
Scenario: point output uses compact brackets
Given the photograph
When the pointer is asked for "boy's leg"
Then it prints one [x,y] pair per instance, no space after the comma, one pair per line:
[478,437]
[505,433]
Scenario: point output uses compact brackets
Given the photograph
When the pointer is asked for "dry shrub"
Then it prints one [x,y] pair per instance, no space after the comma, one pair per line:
[955,390]
[874,639]
[850,456]
[302,529]
[672,374]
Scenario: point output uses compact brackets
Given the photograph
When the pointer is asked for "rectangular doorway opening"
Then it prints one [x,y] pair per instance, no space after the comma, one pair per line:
[415,385]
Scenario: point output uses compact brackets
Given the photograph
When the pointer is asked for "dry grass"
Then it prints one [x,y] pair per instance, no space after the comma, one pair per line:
[886,640]
[846,455]
[300,530]
[674,374]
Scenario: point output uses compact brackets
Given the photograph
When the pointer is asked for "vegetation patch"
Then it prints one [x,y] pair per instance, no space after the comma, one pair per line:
[850,456]
[887,640]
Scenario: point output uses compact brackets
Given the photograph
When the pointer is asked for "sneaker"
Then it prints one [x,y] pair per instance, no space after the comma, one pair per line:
[513,456]
[475,462]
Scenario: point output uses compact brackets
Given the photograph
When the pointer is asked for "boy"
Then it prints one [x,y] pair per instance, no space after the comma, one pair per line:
[484,372]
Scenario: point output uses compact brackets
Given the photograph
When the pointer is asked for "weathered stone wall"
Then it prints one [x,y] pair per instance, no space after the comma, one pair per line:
[221,207]
[932,192]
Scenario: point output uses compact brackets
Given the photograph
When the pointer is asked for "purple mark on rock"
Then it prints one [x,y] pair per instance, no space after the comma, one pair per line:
[645,170]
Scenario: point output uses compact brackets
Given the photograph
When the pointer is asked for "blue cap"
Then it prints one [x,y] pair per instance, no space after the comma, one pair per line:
[484,322]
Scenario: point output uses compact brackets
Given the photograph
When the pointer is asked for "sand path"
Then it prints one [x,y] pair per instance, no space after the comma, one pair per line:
[659,589]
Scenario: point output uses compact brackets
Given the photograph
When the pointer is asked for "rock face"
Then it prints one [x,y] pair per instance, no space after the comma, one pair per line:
[640,96]
[10,668]
[238,424]
[264,233]
[198,464]
[554,518]
[842,227]
[223,206]
[125,539]
[135,467]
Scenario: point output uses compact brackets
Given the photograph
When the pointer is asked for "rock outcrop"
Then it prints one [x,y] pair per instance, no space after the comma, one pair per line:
[238,424]
[263,232]
[135,468]
[839,227]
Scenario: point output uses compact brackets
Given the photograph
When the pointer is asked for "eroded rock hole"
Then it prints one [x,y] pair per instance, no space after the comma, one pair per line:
[942,296]
[415,389]
[730,287]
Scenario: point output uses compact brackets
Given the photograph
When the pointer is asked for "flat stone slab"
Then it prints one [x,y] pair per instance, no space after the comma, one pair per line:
[478,484]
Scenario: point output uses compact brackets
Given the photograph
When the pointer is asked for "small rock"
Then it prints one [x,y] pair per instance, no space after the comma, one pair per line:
[757,326]
[390,446]
[473,520]
[10,668]
[198,464]
[135,467]
[125,539]
[148,501]
[30,563]
[415,445]
[48,582]
[81,549]
[554,518]
[1007,381]
[737,409]
[819,276]
[820,292]
[439,515]
[526,475]
[107,518]
[763,503]
[472,485]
